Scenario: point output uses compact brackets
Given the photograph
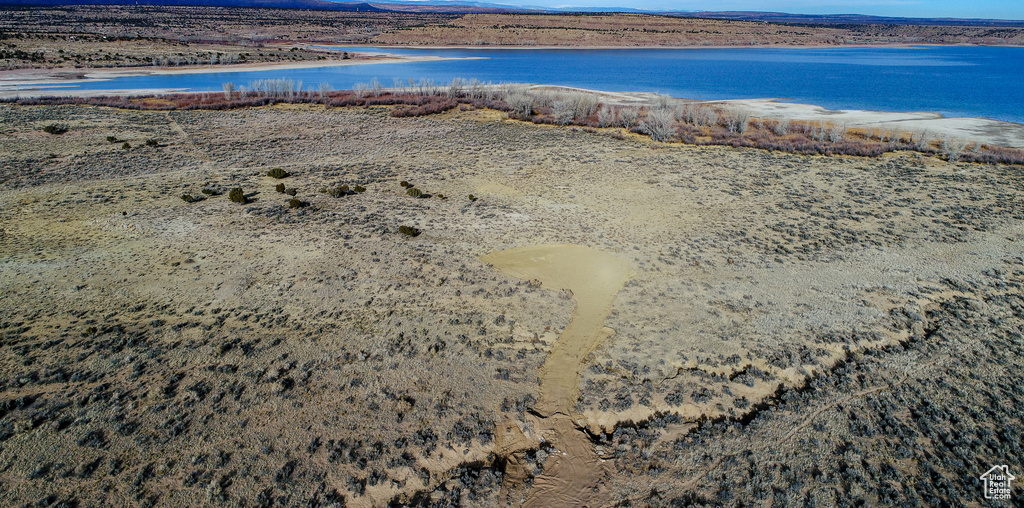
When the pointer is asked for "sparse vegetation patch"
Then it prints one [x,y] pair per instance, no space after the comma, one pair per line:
[55,128]
[236,195]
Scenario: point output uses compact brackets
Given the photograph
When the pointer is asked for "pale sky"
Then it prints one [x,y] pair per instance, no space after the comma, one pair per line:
[995,9]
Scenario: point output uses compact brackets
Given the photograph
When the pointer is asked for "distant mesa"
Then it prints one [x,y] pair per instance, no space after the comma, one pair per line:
[472,7]
[274,4]
[844,19]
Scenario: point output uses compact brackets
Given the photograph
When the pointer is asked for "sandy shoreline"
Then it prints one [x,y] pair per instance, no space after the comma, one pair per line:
[27,82]
[690,46]
[983,130]
[994,132]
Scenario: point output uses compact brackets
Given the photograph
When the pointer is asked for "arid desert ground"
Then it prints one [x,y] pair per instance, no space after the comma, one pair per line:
[609,321]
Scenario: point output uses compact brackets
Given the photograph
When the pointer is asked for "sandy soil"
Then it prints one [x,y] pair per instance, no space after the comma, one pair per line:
[590,277]
[575,475]
[978,129]
[793,330]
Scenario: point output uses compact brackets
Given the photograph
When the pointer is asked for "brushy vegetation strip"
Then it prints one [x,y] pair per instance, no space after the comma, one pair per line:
[663,121]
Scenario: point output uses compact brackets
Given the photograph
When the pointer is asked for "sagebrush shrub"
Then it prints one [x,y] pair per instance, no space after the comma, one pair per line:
[337,192]
[237,196]
[408,231]
[277,173]
[55,128]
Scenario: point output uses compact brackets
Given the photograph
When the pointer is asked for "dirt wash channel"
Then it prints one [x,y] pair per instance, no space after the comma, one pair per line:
[574,475]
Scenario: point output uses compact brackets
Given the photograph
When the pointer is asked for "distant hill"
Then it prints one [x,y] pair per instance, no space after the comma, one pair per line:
[275,4]
[429,6]
[470,6]
[448,7]
[844,19]
[461,6]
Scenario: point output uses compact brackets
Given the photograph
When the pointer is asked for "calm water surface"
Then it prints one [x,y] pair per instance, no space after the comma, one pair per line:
[954,81]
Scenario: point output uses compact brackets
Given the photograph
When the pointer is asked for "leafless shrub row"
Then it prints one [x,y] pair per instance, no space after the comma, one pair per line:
[696,123]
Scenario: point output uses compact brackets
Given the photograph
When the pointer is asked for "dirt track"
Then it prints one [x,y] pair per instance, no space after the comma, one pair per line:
[574,476]
[592,278]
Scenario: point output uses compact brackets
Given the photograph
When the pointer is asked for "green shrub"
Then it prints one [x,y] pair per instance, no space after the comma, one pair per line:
[291,192]
[472,197]
[359,188]
[111,139]
[237,196]
[209,192]
[126,146]
[408,231]
[55,128]
[296,203]
[188,198]
[277,173]
[279,188]
[151,142]
[337,192]
[404,183]
[414,192]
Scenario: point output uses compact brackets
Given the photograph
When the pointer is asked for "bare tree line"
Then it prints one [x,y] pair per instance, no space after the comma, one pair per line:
[663,119]
[212,59]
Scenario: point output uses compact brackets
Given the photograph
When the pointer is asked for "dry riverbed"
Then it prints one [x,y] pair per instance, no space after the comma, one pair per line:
[610,321]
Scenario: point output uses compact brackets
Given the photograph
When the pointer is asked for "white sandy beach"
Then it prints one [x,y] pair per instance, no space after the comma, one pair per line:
[983,130]
[39,82]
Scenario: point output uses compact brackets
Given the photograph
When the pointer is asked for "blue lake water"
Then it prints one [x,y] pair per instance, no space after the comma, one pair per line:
[955,81]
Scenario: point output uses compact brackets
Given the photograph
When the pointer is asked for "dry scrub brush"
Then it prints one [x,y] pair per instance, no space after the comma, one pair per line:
[953,147]
[705,124]
[658,124]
